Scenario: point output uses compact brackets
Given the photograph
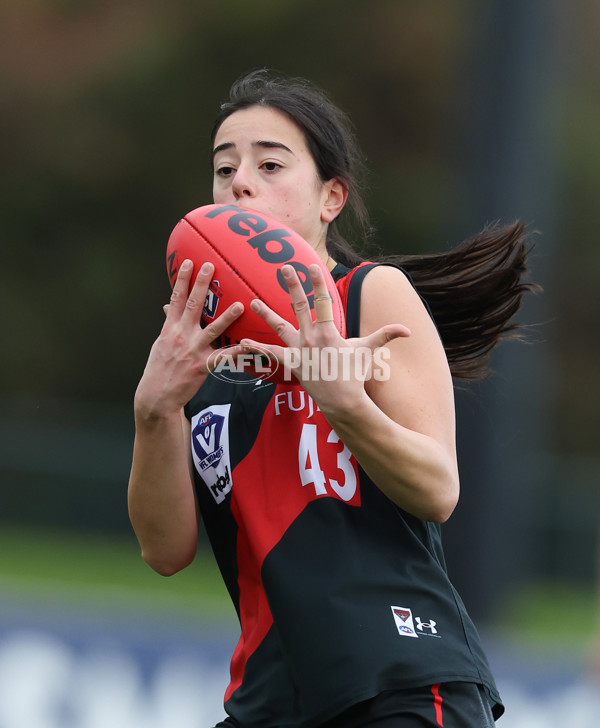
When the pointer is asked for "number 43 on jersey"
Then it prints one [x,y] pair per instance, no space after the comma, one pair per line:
[318,455]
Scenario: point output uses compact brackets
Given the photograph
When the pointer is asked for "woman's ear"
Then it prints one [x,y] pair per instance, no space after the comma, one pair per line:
[335,194]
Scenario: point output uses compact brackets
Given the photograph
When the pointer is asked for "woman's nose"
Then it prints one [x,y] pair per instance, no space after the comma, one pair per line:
[243,185]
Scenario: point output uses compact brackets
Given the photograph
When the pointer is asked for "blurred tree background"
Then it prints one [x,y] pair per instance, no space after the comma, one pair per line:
[467,112]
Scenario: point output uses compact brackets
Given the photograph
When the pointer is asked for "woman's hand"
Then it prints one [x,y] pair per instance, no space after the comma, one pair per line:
[332,369]
[178,361]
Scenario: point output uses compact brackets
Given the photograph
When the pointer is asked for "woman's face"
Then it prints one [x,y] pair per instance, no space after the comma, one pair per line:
[261,161]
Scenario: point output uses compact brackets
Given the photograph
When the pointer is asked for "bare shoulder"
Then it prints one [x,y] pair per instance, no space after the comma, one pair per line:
[388,296]
[418,392]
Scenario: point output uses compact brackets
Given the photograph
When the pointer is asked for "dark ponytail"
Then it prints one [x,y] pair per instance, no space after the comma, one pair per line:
[473,290]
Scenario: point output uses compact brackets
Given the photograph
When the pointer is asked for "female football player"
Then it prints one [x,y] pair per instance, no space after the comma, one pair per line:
[323,498]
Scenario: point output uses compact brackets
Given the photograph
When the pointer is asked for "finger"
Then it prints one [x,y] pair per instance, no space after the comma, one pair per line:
[194,305]
[229,352]
[299,300]
[280,326]
[323,309]
[180,289]
[323,302]
[273,351]
[384,335]
[277,356]
[218,326]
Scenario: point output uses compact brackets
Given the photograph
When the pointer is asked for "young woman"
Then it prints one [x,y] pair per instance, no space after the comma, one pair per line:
[326,524]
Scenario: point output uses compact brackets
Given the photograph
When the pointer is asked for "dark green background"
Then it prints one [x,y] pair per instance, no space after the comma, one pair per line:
[467,111]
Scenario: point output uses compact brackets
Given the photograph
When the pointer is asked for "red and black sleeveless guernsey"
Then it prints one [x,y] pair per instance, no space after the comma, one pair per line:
[340,593]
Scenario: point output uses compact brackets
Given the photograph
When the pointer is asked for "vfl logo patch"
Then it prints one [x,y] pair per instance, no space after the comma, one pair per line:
[210,449]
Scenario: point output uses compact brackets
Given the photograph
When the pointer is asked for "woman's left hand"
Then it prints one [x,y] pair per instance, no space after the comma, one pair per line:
[333,370]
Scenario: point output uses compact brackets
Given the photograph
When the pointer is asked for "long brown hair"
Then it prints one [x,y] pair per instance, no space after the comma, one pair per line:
[473,290]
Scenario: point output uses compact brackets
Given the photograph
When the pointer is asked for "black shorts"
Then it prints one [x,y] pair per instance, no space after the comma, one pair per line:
[450,705]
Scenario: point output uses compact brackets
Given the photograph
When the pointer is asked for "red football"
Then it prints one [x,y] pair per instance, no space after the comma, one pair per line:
[247,249]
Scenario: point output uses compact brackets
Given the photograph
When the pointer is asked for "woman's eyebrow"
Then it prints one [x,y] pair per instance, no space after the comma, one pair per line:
[272,145]
[223,147]
[261,143]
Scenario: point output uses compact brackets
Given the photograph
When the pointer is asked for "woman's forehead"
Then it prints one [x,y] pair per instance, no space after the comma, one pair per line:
[260,123]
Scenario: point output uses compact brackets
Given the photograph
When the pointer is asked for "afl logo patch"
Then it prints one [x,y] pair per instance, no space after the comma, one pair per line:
[210,449]
[205,419]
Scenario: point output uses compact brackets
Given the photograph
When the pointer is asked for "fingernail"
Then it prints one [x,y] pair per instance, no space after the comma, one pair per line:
[287,271]
[186,265]
[255,305]
[206,268]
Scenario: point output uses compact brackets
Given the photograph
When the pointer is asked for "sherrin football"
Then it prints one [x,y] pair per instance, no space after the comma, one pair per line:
[247,249]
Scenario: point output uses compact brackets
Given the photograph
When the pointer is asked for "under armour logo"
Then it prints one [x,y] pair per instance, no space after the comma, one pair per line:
[422,626]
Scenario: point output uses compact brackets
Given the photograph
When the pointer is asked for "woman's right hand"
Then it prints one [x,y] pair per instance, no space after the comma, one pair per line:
[177,365]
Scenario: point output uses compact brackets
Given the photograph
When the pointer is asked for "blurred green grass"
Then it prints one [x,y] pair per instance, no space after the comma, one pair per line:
[104,572]
[101,572]
[555,615]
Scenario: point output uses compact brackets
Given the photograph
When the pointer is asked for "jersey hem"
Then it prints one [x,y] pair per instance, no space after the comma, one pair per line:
[354,697]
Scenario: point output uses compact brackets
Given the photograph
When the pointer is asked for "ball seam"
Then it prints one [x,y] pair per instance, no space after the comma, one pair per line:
[223,258]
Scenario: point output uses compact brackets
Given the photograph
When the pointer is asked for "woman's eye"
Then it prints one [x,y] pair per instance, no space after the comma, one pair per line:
[271,166]
[224,171]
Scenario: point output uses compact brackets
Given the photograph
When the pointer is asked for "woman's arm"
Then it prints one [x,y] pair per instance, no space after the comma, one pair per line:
[162,505]
[401,428]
